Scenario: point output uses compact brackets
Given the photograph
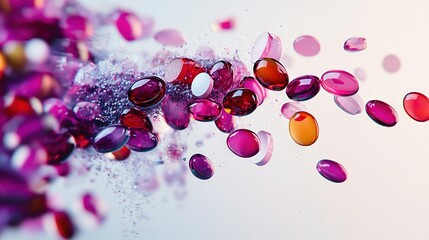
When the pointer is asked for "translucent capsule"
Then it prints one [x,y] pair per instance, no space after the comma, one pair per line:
[265,153]
[252,84]
[355,44]
[129,25]
[141,140]
[43,85]
[90,210]
[204,109]
[222,74]
[303,128]
[224,24]
[171,37]
[60,223]
[226,122]
[416,105]
[147,92]
[306,45]
[271,74]
[3,65]
[243,143]
[382,113]
[77,27]
[28,159]
[136,119]
[303,88]
[58,147]
[176,113]
[202,85]
[20,129]
[119,155]
[78,49]
[340,83]
[240,102]
[182,71]
[111,139]
[14,186]
[16,105]
[350,104]
[201,167]
[86,111]
[267,45]
[290,108]
[332,171]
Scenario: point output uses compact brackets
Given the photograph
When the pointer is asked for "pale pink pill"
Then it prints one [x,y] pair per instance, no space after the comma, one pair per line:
[306,45]
[170,37]
[267,45]
[351,104]
[355,44]
[391,63]
[360,74]
[290,108]
[202,85]
[266,151]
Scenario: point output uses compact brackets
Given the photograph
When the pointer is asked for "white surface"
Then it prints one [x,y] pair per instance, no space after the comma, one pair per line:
[386,195]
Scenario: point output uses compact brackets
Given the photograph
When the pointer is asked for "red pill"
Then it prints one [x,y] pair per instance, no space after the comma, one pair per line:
[271,74]
[182,71]
[147,92]
[416,105]
[240,102]
[136,119]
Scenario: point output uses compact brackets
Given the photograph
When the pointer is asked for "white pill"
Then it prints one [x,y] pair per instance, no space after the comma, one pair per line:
[36,51]
[202,85]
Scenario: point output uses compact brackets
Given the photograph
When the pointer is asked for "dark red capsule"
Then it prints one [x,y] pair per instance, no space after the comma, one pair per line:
[119,155]
[59,147]
[136,119]
[182,71]
[147,92]
[63,224]
[222,74]
[303,88]
[271,74]
[240,102]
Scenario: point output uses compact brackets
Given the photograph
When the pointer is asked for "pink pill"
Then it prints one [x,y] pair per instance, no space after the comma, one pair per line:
[267,45]
[306,45]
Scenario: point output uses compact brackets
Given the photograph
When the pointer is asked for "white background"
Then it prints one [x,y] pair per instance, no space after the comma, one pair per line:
[386,195]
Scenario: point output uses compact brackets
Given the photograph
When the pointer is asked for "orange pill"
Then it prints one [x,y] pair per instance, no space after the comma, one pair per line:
[2,65]
[303,128]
